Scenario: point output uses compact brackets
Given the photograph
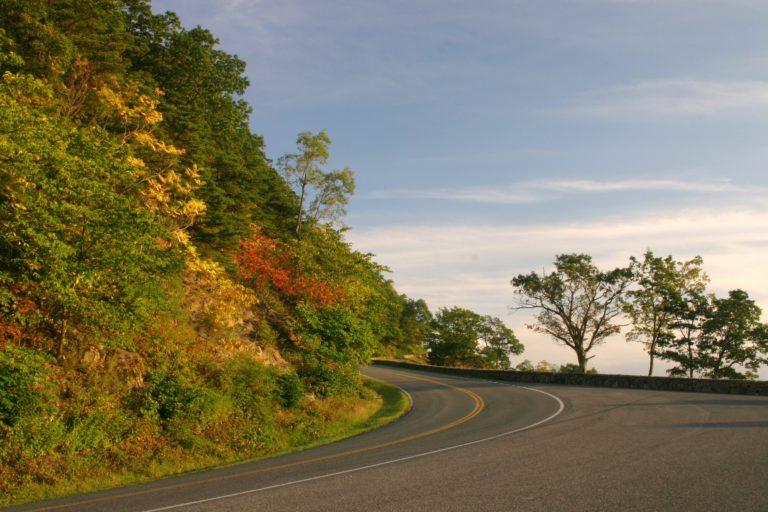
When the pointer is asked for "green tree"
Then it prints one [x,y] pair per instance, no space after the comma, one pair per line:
[658,284]
[329,191]
[415,323]
[577,303]
[732,337]
[525,366]
[681,344]
[462,337]
[89,258]
[205,114]
[498,342]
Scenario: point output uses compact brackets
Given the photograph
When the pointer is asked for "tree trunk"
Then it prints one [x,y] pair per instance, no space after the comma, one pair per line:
[582,358]
[651,353]
[62,340]
[301,208]
[690,360]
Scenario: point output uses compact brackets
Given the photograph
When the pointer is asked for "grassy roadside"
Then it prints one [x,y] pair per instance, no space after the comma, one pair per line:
[343,418]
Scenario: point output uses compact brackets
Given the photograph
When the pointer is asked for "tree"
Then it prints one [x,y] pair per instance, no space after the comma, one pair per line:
[732,336]
[525,366]
[78,257]
[303,171]
[660,282]
[415,322]
[498,342]
[577,303]
[205,114]
[461,337]
[682,342]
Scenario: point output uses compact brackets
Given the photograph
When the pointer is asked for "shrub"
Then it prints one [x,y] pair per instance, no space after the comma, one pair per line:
[290,389]
[166,396]
[252,386]
[574,368]
[23,391]
[328,379]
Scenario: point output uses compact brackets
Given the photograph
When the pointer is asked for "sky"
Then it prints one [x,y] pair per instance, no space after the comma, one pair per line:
[488,136]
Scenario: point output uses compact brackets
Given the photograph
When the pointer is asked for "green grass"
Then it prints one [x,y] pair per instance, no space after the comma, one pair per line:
[346,418]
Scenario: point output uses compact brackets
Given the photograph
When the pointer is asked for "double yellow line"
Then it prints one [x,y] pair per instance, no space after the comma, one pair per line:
[478,407]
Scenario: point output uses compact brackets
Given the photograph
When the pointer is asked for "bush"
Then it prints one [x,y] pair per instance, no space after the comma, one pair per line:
[22,387]
[574,368]
[252,386]
[166,396]
[290,389]
[326,379]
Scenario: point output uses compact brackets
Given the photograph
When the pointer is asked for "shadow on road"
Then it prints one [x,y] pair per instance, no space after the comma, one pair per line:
[725,425]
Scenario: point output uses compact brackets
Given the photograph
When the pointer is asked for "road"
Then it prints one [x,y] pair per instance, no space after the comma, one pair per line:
[477,445]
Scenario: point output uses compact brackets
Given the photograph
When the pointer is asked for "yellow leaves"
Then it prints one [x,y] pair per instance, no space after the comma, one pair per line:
[220,306]
[138,114]
[136,162]
[170,195]
[193,208]
[132,106]
[166,191]
[145,138]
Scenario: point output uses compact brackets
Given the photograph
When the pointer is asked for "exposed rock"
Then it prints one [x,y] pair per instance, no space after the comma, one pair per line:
[128,367]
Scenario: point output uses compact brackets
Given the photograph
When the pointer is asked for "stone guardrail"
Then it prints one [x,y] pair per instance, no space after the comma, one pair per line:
[737,387]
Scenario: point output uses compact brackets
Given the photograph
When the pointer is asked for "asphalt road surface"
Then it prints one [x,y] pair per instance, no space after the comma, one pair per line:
[478,445]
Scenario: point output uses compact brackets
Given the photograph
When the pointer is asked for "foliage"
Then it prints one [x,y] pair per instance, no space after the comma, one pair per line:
[659,284]
[267,262]
[291,389]
[415,324]
[148,245]
[166,396]
[525,366]
[732,336]
[577,304]
[86,257]
[23,391]
[574,368]
[326,192]
[461,337]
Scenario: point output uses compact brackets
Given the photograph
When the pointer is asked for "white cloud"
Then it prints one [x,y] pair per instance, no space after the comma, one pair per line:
[472,265]
[535,191]
[674,97]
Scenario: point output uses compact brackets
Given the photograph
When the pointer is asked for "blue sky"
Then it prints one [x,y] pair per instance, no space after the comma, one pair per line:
[488,136]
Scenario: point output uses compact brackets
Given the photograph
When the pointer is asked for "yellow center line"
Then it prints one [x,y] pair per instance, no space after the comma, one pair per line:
[479,406]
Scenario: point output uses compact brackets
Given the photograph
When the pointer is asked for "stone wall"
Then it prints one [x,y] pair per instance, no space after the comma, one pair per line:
[739,387]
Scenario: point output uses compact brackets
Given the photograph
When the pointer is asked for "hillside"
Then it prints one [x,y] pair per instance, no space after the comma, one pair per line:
[167,300]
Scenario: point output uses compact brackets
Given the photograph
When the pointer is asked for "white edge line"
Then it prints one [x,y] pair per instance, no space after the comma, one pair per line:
[560,408]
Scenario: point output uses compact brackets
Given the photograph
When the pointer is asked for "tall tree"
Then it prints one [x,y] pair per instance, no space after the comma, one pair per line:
[577,303]
[327,193]
[732,337]
[681,343]
[659,283]
[415,322]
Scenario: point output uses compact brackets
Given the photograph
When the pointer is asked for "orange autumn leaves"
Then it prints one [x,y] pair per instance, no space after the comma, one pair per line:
[268,262]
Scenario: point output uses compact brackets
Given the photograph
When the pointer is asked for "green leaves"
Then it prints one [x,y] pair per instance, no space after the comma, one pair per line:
[460,337]
[577,304]
[661,284]
[88,256]
[23,391]
[327,193]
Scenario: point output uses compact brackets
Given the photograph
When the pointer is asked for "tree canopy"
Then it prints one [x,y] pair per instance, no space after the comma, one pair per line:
[578,304]
[460,337]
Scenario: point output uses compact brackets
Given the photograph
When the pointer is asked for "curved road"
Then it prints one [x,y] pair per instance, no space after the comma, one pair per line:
[478,445]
